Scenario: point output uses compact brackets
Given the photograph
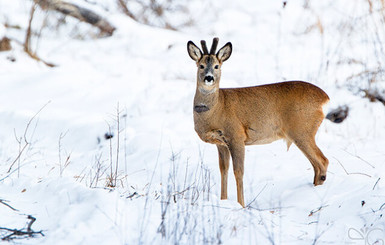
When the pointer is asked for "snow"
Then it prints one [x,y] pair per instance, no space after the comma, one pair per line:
[139,85]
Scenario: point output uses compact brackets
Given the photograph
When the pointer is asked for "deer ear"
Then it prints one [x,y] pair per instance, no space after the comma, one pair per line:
[225,52]
[194,52]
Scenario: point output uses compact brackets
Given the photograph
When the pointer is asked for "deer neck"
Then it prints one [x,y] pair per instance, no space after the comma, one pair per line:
[205,100]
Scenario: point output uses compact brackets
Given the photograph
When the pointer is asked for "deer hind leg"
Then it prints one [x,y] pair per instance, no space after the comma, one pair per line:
[316,157]
[224,159]
[303,136]
[238,155]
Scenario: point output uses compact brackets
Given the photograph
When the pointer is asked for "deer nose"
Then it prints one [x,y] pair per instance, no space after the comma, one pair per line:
[209,79]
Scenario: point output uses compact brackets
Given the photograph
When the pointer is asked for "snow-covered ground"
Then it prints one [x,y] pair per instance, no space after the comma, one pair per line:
[138,85]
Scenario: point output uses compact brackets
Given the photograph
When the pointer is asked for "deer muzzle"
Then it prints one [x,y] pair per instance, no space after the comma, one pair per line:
[209,80]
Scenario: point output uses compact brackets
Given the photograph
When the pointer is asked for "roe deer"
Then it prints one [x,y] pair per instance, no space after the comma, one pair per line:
[235,117]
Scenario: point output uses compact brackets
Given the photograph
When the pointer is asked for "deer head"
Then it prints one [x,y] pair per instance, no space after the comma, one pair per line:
[209,64]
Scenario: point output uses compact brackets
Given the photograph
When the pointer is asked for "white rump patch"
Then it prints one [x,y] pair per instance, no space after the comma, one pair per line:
[325,108]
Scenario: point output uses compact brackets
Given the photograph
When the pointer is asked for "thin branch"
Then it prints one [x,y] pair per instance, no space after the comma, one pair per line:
[18,156]
[6,204]
[27,42]
[376,183]
[21,232]
[371,165]
[26,142]
[67,161]
[382,206]
[117,144]
[33,219]
[110,184]
[312,212]
[248,205]
[351,173]
[79,13]
[125,10]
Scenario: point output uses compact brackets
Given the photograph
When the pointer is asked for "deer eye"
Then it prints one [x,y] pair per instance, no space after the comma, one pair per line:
[202,67]
[216,67]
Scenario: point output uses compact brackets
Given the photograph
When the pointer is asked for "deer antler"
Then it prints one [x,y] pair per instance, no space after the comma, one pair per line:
[204,47]
[214,45]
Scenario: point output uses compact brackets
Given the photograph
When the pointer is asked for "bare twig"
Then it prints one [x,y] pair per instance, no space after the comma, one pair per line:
[79,13]
[123,5]
[145,219]
[382,206]
[351,173]
[6,204]
[24,138]
[371,165]
[33,219]
[27,42]
[17,233]
[111,177]
[117,142]
[373,95]
[312,212]
[154,12]
[94,179]
[67,161]
[376,183]
[248,205]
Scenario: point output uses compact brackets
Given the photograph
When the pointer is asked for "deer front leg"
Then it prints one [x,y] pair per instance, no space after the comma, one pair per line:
[224,159]
[237,151]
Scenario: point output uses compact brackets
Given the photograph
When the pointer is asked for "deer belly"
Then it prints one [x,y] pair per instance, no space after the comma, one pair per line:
[262,137]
